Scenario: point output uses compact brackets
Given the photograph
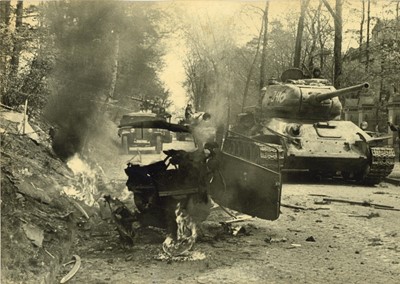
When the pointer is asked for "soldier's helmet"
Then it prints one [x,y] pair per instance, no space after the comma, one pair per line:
[316,72]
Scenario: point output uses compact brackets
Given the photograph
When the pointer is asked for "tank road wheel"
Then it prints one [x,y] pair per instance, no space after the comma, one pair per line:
[360,176]
[159,144]
[125,144]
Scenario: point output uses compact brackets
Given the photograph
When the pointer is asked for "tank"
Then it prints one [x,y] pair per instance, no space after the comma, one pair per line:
[296,127]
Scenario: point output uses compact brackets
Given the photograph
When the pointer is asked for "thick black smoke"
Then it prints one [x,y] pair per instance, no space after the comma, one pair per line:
[83,45]
[101,48]
[73,118]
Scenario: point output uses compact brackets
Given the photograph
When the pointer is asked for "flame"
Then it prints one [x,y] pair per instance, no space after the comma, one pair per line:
[79,166]
[84,186]
[186,234]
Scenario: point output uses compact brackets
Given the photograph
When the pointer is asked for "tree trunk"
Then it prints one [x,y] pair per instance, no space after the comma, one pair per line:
[4,20]
[313,31]
[299,37]
[263,66]
[362,27]
[368,26]
[337,48]
[17,43]
[246,88]
[397,18]
[5,12]
[321,41]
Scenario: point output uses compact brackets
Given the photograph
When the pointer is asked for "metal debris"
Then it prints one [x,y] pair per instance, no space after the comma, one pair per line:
[46,251]
[364,203]
[275,240]
[238,219]
[189,256]
[369,216]
[238,230]
[123,219]
[74,269]
[76,204]
[302,208]
[310,239]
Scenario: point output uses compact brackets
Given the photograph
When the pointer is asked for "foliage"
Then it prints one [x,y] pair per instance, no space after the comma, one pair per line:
[25,80]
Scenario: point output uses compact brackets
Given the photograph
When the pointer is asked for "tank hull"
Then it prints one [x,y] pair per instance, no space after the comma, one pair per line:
[327,148]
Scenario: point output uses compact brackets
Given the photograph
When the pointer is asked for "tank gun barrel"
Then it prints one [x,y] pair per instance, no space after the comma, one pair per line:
[137,99]
[142,100]
[321,97]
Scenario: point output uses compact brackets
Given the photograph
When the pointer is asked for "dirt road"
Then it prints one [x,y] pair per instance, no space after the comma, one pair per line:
[320,243]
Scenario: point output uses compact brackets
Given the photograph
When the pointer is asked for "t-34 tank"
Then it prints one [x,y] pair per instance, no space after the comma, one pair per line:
[300,118]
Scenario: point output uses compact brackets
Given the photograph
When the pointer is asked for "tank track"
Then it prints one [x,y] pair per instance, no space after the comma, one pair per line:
[382,159]
[382,163]
[267,155]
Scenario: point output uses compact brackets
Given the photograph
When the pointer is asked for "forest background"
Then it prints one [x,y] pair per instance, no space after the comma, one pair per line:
[74,61]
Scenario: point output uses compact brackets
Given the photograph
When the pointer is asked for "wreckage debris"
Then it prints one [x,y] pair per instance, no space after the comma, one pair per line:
[369,216]
[310,239]
[188,256]
[73,271]
[292,246]
[271,240]
[123,219]
[363,203]
[295,207]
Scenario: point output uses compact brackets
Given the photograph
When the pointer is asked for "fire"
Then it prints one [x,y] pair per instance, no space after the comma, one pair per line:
[84,188]
[186,234]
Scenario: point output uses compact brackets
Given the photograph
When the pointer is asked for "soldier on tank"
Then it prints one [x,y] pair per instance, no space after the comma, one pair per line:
[316,73]
[188,111]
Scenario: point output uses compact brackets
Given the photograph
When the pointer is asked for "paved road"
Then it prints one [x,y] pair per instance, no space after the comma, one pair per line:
[352,244]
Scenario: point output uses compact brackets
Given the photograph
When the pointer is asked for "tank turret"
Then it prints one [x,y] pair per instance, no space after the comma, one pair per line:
[308,99]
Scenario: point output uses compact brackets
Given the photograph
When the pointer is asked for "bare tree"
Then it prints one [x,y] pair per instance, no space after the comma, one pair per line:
[263,36]
[337,49]
[368,40]
[17,43]
[315,30]
[264,48]
[362,25]
[5,21]
[299,37]
[397,17]
[249,75]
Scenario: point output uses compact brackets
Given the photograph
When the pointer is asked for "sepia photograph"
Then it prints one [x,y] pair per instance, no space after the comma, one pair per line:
[200,141]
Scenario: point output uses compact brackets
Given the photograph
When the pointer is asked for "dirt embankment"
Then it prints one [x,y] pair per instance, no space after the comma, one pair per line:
[38,219]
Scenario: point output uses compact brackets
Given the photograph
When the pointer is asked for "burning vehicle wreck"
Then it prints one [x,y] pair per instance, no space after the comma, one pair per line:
[175,192]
